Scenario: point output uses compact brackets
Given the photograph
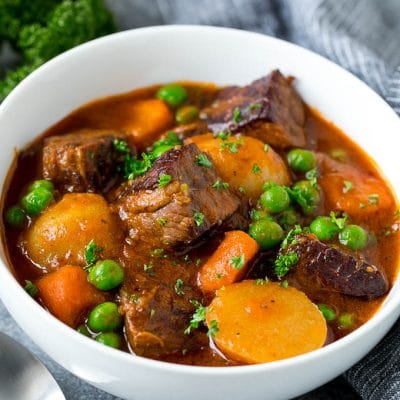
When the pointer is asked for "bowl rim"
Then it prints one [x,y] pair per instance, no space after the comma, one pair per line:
[70,334]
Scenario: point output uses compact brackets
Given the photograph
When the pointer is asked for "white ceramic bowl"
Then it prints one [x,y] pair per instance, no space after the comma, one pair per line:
[141,57]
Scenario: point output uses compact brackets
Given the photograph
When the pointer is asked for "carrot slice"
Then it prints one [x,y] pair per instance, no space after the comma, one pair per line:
[262,323]
[229,262]
[146,119]
[68,295]
[355,192]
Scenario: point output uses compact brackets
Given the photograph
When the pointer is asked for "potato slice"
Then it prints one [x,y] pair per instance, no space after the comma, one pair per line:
[60,234]
[244,162]
[262,323]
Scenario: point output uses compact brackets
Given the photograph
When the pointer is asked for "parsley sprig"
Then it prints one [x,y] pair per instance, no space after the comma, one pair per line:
[237,262]
[92,251]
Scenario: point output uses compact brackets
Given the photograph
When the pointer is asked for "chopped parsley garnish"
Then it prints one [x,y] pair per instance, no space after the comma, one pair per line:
[152,312]
[339,222]
[203,161]
[223,135]
[266,148]
[179,287]
[347,186]
[162,221]
[284,284]
[304,199]
[213,328]
[312,176]
[121,146]
[158,253]
[220,185]
[164,179]
[219,276]
[254,106]
[256,169]
[362,205]
[149,269]
[134,298]
[170,139]
[198,218]
[134,167]
[198,316]
[31,288]
[284,262]
[237,115]
[242,189]
[261,282]
[232,146]
[290,236]
[91,253]
[237,262]
[373,199]
[198,262]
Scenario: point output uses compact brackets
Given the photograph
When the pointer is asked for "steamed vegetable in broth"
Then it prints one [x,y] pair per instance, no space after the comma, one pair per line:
[202,225]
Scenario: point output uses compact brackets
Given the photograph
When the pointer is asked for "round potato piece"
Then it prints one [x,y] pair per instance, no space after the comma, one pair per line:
[59,236]
[244,162]
[262,323]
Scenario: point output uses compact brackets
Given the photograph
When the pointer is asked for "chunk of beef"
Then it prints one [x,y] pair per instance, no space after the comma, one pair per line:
[157,314]
[268,109]
[180,211]
[332,268]
[82,161]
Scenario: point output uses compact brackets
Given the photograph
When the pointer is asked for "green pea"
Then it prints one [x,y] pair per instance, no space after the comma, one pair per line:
[306,195]
[106,275]
[104,317]
[288,218]
[323,228]
[266,233]
[275,199]
[328,312]
[301,160]
[43,184]
[257,214]
[161,150]
[186,114]
[346,321]
[110,339]
[354,237]
[15,216]
[173,94]
[83,330]
[36,201]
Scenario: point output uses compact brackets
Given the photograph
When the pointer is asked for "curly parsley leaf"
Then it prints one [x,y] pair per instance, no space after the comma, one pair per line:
[91,253]
[164,179]
[284,263]
[203,161]
[198,316]
[237,262]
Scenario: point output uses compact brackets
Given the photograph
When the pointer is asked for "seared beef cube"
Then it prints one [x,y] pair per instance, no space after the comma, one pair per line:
[332,268]
[82,161]
[268,109]
[156,317]
[183,209]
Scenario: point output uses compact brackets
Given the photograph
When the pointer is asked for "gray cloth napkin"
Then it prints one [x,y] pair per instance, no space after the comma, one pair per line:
[361,36]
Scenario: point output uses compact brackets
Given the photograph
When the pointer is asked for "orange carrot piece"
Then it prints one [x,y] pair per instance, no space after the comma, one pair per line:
[146,119]
[68,295]
[353,191]
[229,262]
[256,323]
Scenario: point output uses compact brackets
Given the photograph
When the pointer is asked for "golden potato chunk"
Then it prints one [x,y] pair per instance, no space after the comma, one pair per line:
[59,236]
[260,323]
[244,162]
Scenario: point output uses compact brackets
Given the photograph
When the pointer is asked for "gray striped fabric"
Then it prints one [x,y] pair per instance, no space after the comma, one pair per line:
[360,35]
